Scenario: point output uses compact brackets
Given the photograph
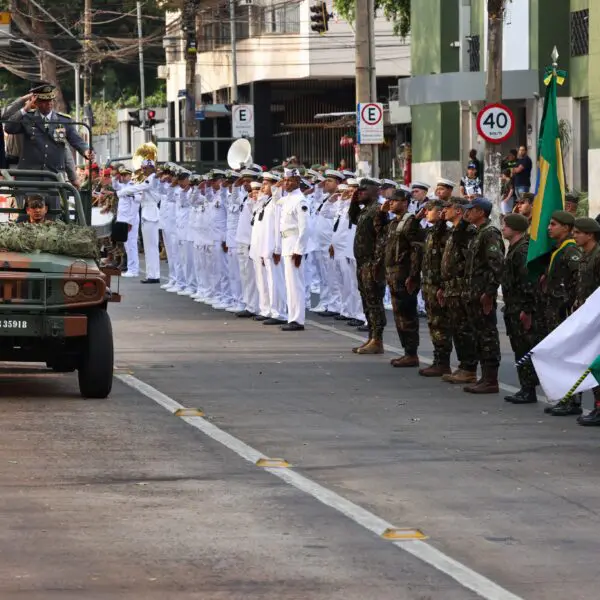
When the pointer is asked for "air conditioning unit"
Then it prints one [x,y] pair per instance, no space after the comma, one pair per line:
[162,72]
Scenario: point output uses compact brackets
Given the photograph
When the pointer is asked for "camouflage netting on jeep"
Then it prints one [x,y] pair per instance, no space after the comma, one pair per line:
[53,237]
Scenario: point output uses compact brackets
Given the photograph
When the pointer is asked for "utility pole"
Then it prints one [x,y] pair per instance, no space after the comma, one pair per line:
[147,134]
[189,21]
[366,83]
[87,70]
[234,86]
[493,95]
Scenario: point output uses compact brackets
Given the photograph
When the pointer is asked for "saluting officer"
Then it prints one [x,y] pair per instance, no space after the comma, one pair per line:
[45,132]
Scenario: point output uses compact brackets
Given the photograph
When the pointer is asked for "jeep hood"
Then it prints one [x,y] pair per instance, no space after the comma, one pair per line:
[46,263]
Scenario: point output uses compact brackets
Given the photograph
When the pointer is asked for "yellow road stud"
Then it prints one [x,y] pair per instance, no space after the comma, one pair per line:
[272,462]
[393,533]
[189,412]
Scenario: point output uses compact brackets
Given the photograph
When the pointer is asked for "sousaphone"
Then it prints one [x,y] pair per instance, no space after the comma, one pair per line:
[239,154]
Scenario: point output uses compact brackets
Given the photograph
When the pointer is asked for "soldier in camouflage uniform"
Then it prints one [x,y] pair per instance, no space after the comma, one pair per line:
[437,316]
[403,257]
[586,233]
[483,271]
[369,248]
[519,292]
[452,288]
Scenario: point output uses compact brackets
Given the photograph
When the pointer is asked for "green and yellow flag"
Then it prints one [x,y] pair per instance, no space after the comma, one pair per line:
[550,195]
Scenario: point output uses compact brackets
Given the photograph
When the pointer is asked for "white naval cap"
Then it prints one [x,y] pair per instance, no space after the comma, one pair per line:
[270,176]
[255,185]
[352,182]
[419,185]
[404,188]
[313,173]
[369,181]
[347,173]
[249,173]
[217,172]
[388,183]
[332,173]
[148,162]
[446,182]
[343,187]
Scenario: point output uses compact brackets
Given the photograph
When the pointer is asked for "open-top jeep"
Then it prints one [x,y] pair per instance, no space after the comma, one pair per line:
[53,307]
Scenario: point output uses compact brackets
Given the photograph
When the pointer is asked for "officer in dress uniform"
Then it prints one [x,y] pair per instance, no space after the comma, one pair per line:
[45,133]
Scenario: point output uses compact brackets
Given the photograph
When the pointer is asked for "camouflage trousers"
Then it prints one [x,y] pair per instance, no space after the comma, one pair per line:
[485,333]
[372,292]
[439,327]
[522,342]
[404,306]
[461,330]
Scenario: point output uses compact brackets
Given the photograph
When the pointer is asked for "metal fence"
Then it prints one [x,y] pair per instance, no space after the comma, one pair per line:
[107,146]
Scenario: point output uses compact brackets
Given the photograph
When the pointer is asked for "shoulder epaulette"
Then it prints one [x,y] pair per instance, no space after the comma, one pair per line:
[64,115]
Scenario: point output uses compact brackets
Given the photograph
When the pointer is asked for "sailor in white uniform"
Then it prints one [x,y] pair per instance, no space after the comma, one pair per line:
[233,266]
[294,234]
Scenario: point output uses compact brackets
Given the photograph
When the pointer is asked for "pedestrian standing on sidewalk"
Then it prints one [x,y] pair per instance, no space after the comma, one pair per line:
[403,258]
[369,249]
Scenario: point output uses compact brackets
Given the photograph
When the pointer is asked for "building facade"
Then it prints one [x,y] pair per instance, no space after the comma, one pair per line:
[447,87]
[288,72]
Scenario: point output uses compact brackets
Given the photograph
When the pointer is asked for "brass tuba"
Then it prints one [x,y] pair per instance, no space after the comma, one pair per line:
[147,151]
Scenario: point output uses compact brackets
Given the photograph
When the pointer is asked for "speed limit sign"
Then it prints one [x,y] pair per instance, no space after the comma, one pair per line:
[495,123]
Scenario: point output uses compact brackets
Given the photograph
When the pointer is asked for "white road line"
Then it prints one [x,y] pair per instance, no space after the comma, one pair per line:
[468,578]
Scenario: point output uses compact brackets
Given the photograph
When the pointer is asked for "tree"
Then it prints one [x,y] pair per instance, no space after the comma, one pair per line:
[395,11]
[113,43]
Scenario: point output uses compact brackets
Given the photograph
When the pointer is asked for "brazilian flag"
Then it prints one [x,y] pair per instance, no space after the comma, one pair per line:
[550,194]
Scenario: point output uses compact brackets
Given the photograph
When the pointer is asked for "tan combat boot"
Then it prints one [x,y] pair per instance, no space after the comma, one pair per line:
[355,350]
[405,361]
[373,347]
[435,370]
[461,376]
[488,384]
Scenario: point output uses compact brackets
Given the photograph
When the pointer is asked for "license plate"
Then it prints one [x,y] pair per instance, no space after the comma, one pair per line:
[21,326]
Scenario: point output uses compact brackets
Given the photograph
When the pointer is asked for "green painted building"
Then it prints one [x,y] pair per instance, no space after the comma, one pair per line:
[447,86]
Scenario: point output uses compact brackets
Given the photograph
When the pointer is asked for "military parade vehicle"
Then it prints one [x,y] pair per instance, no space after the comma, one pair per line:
[53,292]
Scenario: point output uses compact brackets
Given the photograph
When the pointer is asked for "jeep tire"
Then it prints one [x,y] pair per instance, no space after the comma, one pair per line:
[95,371]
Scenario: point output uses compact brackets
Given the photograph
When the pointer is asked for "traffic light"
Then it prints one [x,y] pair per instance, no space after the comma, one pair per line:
[151,119]
[319,18]
[135,118]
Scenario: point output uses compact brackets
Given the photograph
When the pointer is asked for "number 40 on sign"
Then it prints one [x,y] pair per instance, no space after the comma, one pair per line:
[495,123]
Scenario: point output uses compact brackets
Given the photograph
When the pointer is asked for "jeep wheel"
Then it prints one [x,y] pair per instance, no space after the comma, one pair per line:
[95,370]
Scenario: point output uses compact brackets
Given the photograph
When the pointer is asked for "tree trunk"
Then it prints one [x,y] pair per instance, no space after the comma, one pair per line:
[493,95]
[33,28]
[191,127]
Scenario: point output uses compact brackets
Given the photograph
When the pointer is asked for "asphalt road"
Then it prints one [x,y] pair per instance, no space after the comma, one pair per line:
[121,499]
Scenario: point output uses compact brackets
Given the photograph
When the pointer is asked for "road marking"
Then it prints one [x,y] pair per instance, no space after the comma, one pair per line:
[273,463]
[468,578]
[188,412]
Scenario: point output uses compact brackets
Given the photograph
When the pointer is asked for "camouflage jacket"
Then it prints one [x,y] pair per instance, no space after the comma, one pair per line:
[518,289]
[485,258]
[454,259]
[588,276]
[435,242]
[404,248]
[369,238]
[560,285]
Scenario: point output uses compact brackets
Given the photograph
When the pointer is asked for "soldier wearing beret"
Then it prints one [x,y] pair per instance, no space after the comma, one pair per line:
[437,317]
[483,271]
[452,288]
[519,293]
[403,257]
[369,250]
[586,232]
[559,288]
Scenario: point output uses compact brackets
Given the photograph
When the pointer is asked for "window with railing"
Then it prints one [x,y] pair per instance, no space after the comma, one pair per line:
[474,53]
[580,32]
[281,17]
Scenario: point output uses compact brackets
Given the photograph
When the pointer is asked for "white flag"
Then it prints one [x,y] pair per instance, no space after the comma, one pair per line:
[562,357]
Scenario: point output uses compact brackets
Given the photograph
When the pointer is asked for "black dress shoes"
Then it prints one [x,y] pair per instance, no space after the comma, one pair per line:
[150,281]
[293,326]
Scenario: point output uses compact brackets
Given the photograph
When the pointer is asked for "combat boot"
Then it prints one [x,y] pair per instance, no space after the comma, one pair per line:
[461,376]
[355,350]
[408,360]
[373,347]
[435,370]
[591,420]
[488,384]
[523,396]
[566,409]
